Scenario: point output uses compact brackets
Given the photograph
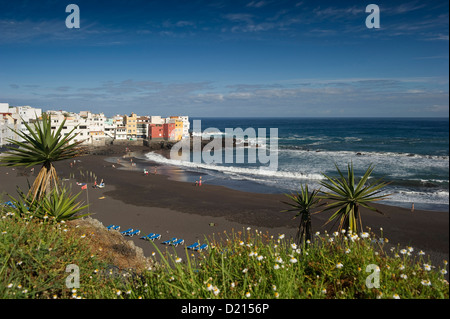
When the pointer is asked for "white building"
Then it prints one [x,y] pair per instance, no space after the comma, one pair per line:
[142,126]
[121,133]
[110,128]
[22,115]
[89,127]
[15,118]
[156,120]
[27,113]
[6,124]
[4,108]
[118,120]
[186,125]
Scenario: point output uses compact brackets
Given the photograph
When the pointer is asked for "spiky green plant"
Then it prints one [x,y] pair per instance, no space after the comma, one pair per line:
[303,203]
[62,206]
[347,197]
[58,205]
[41,146]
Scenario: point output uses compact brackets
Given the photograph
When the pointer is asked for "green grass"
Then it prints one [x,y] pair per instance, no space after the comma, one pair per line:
[245,264]
[35,254]
[254,265]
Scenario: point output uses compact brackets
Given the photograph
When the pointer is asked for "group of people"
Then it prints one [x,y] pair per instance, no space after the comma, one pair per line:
[199,182]
[146,171]
[101,185]
[72,164]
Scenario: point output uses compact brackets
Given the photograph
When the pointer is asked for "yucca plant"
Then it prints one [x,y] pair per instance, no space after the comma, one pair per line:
[303,203]
[58,205]
[41,146]
[347,197]
[62,205]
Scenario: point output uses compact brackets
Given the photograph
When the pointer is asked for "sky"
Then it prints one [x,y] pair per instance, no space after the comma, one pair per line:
[249,58]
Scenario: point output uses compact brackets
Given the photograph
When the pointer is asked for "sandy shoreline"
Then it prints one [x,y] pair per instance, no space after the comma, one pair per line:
[156,203]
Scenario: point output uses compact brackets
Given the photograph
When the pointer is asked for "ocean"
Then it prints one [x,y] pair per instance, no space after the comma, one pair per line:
[410,153]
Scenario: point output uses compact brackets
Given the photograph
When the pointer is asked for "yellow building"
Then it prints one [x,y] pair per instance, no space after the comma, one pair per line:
[130,123]
[178,131]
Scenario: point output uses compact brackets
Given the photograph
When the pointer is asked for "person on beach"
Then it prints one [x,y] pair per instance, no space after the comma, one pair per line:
[412,208]
[200,181]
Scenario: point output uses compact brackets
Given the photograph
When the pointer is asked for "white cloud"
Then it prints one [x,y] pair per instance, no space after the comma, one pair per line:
[257,4]
[354,97]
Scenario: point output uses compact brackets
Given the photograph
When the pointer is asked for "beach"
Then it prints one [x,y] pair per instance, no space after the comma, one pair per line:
[157,204]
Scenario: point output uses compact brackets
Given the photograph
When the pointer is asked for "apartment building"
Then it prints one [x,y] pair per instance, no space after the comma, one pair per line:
[142,123]
[94,128]
[130,122]
[16,118]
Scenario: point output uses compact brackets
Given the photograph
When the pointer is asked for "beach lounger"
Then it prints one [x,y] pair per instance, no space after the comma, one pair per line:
[134,232]
[113,227]
[193,246]
[204,246]
[10,204]
[178,242]
[110,226]
[170,241]
[116,228]
[155,236]
[148,236]
[129,230]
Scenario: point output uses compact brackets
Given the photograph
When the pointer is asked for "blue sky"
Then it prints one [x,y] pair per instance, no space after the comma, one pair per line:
[227,58]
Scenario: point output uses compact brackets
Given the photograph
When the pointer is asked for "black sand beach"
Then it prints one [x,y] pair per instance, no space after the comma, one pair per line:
[156,204]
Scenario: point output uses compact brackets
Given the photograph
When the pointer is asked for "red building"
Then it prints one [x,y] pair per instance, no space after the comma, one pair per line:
[155,131]
[169,131]
[161,131]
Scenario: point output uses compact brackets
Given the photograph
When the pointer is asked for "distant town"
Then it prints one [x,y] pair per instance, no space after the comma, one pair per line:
[92,128]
